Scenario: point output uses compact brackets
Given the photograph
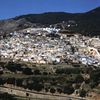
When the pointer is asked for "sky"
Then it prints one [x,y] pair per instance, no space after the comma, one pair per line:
[12,8]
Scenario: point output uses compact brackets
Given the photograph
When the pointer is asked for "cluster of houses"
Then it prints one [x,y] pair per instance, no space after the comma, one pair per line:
[37,45]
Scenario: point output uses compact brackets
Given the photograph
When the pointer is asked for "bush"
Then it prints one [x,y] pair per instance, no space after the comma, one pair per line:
[68,89]
[95,76]
[46,90]
[6,96]
[11,81]
[59,90]
[2,81]
[37,72]
[82,93]
[13,67]
[45,73]
[18,82]
[93,84]
[27,71]
[79,79]
[37,86]
[77,86]
[68,71]
[52,90]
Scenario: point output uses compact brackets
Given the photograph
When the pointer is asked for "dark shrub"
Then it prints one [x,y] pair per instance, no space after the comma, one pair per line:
[52,90]
[27,71]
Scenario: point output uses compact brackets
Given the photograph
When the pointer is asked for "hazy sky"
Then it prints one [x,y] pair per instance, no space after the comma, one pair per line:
[12,8]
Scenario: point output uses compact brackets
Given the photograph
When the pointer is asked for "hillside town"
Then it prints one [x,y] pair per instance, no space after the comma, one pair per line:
[50,45]
[50,50]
